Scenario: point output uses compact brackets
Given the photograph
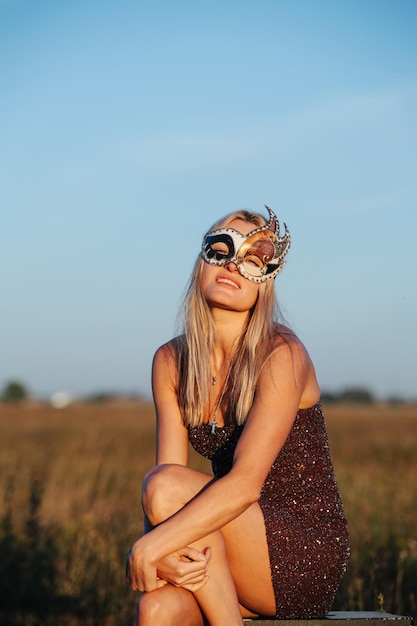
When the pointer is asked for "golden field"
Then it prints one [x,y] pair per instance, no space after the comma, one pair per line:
[70,482]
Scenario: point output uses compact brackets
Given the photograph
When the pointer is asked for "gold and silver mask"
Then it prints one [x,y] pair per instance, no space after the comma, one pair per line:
[258,255]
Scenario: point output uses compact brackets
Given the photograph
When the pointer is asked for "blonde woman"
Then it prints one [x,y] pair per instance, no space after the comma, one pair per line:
[265,535]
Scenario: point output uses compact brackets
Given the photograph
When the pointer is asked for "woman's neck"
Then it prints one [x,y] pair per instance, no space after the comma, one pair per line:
[229,327]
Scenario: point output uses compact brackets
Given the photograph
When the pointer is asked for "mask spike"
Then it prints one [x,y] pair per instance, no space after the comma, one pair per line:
[273,224]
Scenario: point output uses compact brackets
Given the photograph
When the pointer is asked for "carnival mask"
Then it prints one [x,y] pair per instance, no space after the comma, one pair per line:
[258,255]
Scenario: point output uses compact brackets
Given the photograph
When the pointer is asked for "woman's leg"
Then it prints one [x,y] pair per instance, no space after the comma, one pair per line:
[168,488]
[168,606]
[248,558]
[240,557]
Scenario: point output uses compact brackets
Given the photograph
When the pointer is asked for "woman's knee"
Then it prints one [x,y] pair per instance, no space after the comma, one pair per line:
[150,610]
[168,606]
[167,487]
[160,498]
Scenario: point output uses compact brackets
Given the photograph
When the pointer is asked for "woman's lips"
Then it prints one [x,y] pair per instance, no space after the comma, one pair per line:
[227,281]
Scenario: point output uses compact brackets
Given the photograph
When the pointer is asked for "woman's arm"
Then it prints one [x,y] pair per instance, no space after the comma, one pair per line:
[185,567]
[286,379]
[171,434]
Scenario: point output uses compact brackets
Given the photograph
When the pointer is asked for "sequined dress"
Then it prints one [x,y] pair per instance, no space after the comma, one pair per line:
[305,525]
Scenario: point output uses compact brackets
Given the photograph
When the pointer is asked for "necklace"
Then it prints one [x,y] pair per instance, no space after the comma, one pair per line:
[214,378]
[214,421]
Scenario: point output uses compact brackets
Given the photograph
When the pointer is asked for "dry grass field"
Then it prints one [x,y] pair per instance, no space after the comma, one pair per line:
[70,483]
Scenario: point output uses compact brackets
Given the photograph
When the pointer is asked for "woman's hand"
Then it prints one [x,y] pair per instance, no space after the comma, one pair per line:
[141,570]
[186,568]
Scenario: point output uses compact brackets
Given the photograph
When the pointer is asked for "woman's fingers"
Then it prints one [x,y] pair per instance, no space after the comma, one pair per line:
[141,575]
[192,554]
[207,554]
[188,566]
[160,583]
[193,587]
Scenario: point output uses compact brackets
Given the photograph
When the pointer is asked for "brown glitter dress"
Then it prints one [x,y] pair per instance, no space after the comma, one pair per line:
[305,524]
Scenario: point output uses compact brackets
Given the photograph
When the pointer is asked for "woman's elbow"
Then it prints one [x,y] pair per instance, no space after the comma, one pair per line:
[253,495]
[248,489]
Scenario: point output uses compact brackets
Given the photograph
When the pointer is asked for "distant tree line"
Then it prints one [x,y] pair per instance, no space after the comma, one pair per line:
[14,392]
[354,395]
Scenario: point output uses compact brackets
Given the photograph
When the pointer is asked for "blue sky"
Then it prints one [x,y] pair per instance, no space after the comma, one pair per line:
[128,127]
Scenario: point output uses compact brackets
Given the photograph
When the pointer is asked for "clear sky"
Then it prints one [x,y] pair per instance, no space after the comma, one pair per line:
[128,127]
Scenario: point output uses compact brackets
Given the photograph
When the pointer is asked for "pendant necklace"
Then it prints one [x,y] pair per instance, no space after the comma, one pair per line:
[214,422]
[214,378]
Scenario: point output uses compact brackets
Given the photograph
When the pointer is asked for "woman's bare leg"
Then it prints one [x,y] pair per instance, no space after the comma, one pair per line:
[248,558]
[166,490]
[240,557]
[168,606]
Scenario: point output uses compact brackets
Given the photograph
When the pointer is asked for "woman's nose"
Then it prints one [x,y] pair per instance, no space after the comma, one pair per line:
[231,266]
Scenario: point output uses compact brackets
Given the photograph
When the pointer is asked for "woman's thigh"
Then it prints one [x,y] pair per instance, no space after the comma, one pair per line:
[248,557]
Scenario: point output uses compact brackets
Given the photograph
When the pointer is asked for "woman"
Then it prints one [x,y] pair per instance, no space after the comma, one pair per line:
[266,534]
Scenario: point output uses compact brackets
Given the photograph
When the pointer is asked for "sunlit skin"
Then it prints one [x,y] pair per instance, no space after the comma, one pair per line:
[211,554]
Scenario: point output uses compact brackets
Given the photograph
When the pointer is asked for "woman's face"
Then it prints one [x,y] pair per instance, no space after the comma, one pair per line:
[224,287]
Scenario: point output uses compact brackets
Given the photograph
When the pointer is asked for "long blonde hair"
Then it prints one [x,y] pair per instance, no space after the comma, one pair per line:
[196,342]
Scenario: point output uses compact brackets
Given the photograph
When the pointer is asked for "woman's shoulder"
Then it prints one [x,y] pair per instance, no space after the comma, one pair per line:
[167,352]
[285,345]
[285,338]
[288,354]
[165,364]
[170,347]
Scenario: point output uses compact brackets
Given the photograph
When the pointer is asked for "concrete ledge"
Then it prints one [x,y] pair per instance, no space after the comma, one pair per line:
[339,618]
